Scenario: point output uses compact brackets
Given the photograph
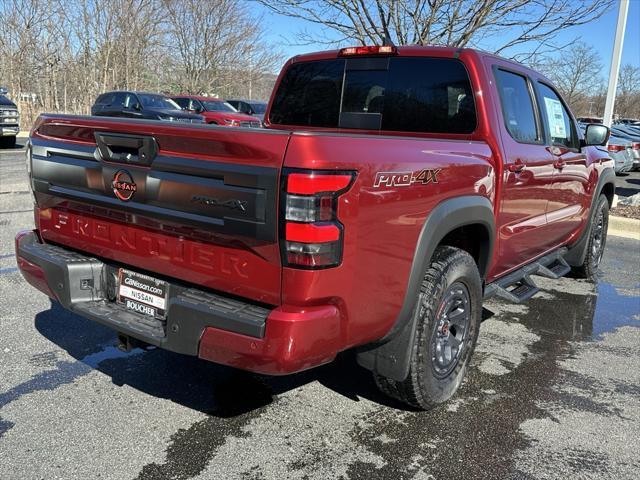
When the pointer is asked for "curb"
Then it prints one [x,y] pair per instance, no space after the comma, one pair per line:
[624,227]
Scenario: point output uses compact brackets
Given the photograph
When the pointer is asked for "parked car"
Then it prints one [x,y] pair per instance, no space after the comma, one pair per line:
[9,121]
[215,111]
[620,151]
[587,120]
[630,133]
[273,249]
[255,108]
[141,105]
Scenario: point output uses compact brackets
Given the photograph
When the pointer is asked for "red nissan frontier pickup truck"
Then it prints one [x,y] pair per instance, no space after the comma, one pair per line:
[392,190]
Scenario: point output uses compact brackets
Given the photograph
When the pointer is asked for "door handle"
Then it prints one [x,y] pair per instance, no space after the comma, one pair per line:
[517,167]
[560,164]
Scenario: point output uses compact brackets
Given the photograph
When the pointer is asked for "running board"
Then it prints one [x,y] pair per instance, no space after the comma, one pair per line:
[519,287]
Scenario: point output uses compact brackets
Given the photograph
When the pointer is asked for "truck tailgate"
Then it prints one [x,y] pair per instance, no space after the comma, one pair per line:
[190,202]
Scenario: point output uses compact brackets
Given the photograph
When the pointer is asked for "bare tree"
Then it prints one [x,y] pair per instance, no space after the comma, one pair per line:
[576,73]
[58,55]
[503,24]
[212,38]
[628,97]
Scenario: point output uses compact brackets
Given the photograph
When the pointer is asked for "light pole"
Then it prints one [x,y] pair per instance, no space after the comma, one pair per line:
[615,62]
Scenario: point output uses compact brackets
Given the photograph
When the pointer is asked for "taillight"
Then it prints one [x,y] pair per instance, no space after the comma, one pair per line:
[368,50]
[615,148]
[635,145]
[312,234]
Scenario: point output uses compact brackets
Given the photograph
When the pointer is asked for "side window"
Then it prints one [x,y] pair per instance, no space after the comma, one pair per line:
[517,107]
[556,118]
[182,102]
[118,99]
[130,100]
[106,99]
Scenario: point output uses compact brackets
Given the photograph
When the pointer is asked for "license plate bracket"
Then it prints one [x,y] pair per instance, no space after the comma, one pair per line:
[142,294]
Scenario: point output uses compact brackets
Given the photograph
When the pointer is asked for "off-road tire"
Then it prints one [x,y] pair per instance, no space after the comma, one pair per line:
[597,240]
[423,388]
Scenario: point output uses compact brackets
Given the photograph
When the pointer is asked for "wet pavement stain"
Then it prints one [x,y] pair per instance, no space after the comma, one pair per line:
[477,434]
[5,426]
[239,399]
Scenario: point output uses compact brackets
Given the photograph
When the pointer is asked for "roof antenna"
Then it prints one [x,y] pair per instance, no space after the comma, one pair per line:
[388,42]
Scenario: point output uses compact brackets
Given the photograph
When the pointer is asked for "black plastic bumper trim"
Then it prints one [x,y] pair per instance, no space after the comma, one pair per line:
[189,310]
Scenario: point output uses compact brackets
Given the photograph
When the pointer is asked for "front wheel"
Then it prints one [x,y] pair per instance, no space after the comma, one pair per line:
[448,311]
[597,240]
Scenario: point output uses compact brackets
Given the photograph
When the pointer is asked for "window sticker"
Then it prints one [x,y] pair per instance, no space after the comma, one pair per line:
[555,116]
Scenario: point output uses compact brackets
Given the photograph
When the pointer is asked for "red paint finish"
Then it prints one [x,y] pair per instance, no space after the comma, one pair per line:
[237,271]
[540,196]
[296,339]
[33,274]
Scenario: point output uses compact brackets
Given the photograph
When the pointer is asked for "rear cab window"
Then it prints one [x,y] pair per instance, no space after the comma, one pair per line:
[396,94]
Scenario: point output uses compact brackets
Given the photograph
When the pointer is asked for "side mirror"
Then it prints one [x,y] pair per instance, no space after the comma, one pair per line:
[3,91]
[198,109]
[596,134]
[137,106]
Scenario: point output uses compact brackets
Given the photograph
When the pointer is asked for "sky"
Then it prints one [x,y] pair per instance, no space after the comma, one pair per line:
[599,34]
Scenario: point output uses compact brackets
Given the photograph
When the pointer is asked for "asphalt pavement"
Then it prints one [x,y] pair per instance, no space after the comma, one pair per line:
[553,392]
[628,184]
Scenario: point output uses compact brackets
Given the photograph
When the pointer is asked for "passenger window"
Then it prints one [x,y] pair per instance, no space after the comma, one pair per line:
[130,101]
[182,102]
[557,120]
[517,107]
[118,99]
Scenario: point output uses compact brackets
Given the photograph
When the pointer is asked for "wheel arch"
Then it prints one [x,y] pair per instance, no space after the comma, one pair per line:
[606,185]
[450,223]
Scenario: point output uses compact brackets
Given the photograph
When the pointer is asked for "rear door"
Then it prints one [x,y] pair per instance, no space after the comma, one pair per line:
[528,173]
[186,202]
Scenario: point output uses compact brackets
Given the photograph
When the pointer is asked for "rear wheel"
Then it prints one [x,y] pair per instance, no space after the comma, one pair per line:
[597,239]
[448,313]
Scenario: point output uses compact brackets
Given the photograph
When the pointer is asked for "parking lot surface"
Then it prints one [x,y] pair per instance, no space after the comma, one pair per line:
[628,184]
[553,392]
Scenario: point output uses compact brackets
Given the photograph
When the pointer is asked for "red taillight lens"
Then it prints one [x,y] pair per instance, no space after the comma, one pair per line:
[312,233]
[635,145]
[368,50]
[615,148]
[312,183]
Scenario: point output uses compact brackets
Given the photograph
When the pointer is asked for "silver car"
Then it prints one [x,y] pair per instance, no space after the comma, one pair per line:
[620,150]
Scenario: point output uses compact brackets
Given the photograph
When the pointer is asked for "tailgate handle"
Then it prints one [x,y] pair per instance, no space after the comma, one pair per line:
[121,148]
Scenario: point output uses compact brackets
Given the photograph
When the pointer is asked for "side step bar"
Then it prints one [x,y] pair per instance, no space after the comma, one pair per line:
[518,286]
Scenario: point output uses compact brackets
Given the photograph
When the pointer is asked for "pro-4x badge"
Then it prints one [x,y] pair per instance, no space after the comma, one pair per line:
[406,179]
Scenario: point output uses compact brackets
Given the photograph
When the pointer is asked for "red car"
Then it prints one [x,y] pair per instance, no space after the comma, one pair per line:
[216,111]
[392,190]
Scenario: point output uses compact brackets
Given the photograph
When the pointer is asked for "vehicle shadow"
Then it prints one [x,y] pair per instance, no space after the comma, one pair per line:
[197,384]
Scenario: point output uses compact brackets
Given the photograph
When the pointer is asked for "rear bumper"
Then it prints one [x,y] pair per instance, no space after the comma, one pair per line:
[214,327]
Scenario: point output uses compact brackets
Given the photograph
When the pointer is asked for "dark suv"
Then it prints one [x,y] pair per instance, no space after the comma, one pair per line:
[141,105]
[254,108]
[9,126]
